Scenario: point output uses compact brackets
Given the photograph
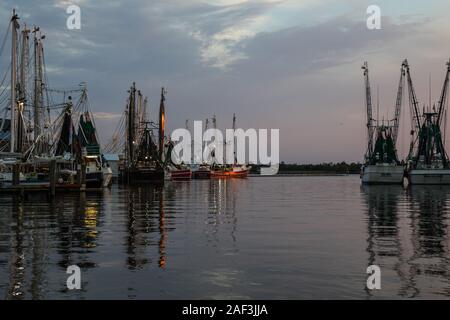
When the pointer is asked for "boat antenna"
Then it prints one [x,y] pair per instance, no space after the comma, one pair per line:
[378,103]
[429,90]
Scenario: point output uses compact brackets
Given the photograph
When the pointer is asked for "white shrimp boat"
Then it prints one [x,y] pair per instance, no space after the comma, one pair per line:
[382,173]
[428,162]
[381,164]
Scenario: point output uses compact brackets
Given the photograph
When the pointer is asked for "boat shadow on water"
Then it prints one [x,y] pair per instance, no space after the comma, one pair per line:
[407,236]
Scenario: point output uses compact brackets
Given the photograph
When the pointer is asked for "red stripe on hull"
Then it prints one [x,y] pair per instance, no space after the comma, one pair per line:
[181,175]
[229,174]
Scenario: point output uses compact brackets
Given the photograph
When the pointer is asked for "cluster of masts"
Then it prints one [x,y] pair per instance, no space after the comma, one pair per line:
[27,117]
[34,117]
[147,157]
[427,146]
[43,141]
[34,134]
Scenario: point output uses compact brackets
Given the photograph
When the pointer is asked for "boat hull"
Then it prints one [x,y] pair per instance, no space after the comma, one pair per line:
[376,174]
[142,176]
[201,174]
[229,174]
[181,174]
[107,177]
[94,179]
[429,176]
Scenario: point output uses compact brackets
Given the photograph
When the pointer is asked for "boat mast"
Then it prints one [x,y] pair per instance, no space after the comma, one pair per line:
[145,111]
[234,138]
[139,117]
[162,120]
[37,84]
[15,27]
[398,103]
[412,96]
[131,123]
[22,89]
[443,97]
[24,63]
[365,67]
[204,142]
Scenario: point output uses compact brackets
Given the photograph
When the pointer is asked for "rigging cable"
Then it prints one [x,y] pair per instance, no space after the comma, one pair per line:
[5,37]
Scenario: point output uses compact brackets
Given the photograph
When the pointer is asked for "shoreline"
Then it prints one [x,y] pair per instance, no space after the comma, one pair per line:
[303,174]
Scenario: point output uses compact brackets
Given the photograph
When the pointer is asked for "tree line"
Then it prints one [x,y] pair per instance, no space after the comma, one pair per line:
[322,168]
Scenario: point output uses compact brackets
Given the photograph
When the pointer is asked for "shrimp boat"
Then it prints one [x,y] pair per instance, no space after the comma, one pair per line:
[235,171]
[146,167]
[175,171]
[42,133]
[181,173]
[381,165]
[82,147]
[98,173]
[230,171]
[6,175]
[144,159]
[428,162]
[203,171]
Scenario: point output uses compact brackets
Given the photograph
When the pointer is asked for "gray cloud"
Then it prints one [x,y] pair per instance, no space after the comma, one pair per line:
[303,78]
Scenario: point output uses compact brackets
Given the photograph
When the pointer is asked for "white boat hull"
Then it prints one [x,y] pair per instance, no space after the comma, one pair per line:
[107,177]
[379,174]
[429,176]
[8,177]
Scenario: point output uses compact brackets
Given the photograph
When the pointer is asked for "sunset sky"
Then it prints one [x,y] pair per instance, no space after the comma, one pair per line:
[292,65]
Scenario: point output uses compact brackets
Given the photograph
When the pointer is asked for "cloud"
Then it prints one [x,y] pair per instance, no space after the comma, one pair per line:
[277,64]
[300,50]
[107,115]
[240,21]
[219,27]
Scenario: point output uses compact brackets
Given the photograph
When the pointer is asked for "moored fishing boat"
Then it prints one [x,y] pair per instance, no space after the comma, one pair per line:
[143,160]
[383,173]
[428,162]
[46,147]
[235,171]
[6,171]
[176,171]
[203,171]
[181,174]
[381,165]
[98,173]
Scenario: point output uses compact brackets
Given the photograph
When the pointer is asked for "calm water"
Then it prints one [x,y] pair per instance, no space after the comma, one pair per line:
[260,238]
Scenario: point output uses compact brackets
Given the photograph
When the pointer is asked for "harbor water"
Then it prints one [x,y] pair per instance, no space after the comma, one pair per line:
[278,237]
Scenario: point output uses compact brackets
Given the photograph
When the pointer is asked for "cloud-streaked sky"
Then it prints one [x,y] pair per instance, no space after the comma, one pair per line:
[287,64]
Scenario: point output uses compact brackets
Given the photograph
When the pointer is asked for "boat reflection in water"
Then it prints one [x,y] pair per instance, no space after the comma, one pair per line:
[145,217]
[408,238]
[123,239]
[220,239]
[70,229]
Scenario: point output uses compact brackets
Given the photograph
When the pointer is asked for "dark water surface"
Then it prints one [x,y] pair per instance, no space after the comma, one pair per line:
[259,238]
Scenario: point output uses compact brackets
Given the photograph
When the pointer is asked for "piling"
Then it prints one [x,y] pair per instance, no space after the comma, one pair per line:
[53,177]
[83,177]
[79,175]
[15,174]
